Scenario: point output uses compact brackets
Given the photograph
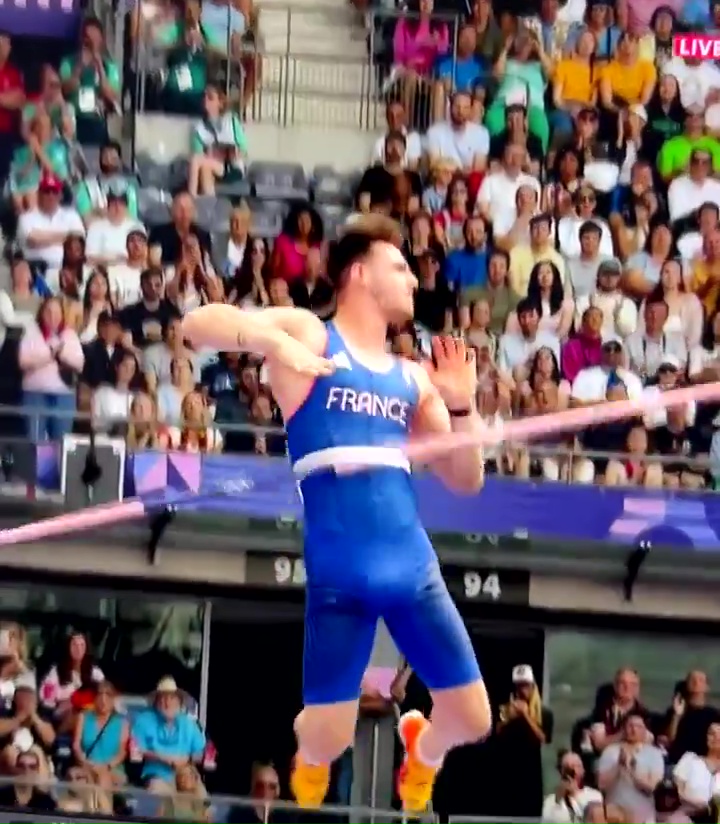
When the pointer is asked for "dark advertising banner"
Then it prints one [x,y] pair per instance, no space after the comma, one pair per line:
[46,18]
[264,488]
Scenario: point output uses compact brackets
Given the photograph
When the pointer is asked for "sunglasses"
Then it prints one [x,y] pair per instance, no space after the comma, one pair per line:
[613,348]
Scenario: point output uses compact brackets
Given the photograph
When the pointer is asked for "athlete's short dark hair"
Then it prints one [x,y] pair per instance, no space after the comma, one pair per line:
[355,241]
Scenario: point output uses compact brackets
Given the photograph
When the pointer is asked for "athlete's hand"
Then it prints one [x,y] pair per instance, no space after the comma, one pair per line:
[453,372]
[294,355]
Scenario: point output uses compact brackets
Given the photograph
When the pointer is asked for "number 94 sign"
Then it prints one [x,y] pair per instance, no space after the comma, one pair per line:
[477,585]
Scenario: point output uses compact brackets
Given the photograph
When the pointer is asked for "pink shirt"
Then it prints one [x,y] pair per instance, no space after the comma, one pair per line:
[420,49]
[40,369]
[579,353]
[291,261]
[640,12]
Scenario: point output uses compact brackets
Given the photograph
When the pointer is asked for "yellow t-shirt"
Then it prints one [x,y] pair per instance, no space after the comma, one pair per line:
[705,286]
[626,81]
[576,79]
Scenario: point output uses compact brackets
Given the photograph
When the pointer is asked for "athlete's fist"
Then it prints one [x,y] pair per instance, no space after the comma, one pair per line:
[453,372]
[294,355]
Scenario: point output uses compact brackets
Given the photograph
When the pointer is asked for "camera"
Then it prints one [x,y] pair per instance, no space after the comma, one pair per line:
[568,774]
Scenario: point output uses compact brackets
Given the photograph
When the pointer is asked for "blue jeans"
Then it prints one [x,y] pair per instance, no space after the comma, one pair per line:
[561,122]
[42,424]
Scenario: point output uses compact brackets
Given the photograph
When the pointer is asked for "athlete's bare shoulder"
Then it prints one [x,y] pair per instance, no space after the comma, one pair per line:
[301,324]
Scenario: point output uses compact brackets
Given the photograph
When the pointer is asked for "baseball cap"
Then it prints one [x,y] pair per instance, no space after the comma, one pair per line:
[138,229]
[50,183]
[523,674]
[611,266]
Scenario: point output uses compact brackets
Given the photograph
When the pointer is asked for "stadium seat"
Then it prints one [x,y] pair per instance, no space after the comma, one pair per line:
[233,191]
[266,224]
[278,181]
[152,174]
[331,187]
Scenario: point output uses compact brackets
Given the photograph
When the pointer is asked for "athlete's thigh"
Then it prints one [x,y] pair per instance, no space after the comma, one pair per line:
[428,630]
[339,636]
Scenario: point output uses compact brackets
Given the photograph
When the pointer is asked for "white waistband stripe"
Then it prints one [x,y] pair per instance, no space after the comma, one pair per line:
[350,458]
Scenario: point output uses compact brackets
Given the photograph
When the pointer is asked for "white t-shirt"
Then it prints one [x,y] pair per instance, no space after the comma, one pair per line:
[107,240]
[63,220]
[125,283]
[659,416]
[591,384]
[568,233]
[695,82]
[559,812]
[685,196]
[460,145]
[110,404]
[620,314]
[497,195]
[413,149]
[700,783]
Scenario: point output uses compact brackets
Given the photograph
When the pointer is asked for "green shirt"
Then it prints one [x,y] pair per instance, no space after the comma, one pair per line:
[56,114]
[187,68]
[91,193]
[674,156]
[86,100]
[25,170]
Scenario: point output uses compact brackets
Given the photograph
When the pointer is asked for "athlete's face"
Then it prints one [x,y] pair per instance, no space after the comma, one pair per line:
[386,274]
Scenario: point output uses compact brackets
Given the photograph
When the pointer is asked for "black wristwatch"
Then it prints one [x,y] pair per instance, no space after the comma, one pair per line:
[460,413]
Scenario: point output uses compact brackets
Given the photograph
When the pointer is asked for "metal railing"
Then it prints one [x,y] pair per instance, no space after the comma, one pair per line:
[299,82]
[88,800]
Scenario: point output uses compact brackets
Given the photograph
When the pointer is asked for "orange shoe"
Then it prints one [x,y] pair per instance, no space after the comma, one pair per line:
[309,783]
[416,780]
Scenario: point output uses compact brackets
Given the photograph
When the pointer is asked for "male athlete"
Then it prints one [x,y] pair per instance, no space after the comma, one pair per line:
[347,402]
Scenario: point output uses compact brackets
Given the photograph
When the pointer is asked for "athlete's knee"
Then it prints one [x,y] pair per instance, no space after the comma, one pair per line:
[324,732]
[465,712]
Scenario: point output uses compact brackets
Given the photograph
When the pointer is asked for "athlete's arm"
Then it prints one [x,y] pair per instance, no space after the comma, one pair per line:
[450,385]
[293,338]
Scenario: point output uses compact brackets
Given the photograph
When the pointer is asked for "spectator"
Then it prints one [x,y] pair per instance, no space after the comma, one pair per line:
[171,395]
[100,739]
[171,236]
[449,224]
[248,287]
[302,231]
[91,191]
[98,300]
[166,737]
[604,813]
[21,727]
[505,236]
[675,153]
[704,360]
[688,192]
[571,798]
[91,82]
[42,231]
[696,775]
[239,242]
[51,358]
[158,357]
[190,799]
[585,349]
[626,79]
[111,403]
[642,270]
[619,313]
[25,300]
[107,236]
[458,73]
[143,429]
[264,789]
[647,346]
[665,118]
[192,282]
[73,260]
[104,353]
[78,796]
[459,139]
[218,146]
[195,432]
[75,670]
[11,104]
[690,716]
[545,290]
[13,660]
[569,226]
[496,292]
[523,64]
[313,292]
[125,275]
[23,794]
[629,771]
[518,348]
[45,154]
[540,249]
[51,101]
[524,726]
[418,41]
[592,383]
[685,312]
[573,82]
[396,120]
[146,319]
[583,269]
